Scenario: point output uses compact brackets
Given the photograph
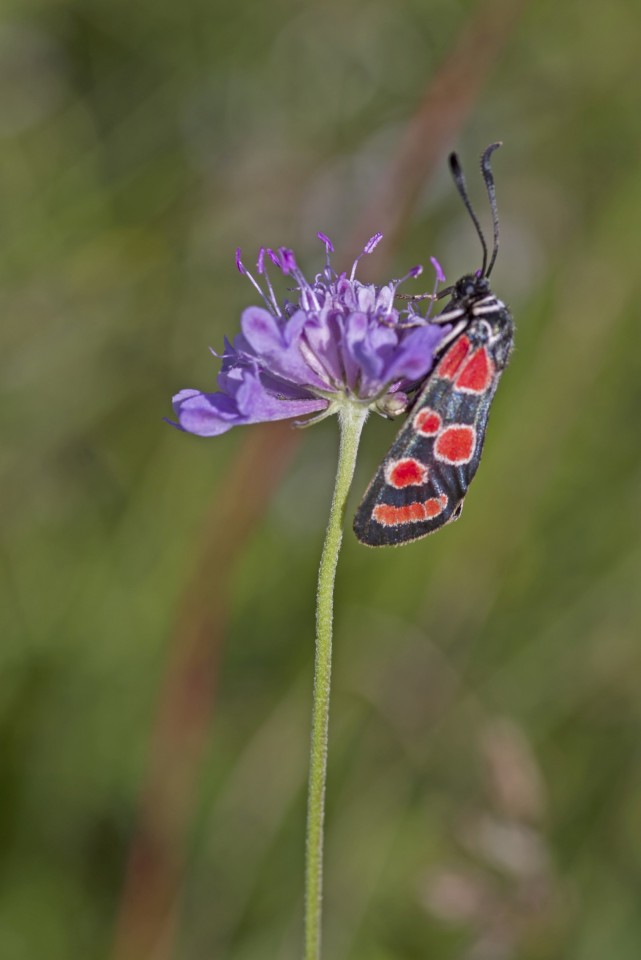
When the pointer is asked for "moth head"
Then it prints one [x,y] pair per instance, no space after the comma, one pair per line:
[471,287]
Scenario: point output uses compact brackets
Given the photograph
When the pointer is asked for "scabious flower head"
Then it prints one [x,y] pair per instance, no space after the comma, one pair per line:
[338,341]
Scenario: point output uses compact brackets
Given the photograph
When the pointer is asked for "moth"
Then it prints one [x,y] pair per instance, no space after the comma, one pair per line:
[422,482]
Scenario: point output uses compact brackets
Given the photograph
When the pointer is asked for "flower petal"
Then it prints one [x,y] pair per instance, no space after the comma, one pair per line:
[210,414]
[276,344]
[256,403]
[414,357]
[370,346]
[323,336]
[205,414]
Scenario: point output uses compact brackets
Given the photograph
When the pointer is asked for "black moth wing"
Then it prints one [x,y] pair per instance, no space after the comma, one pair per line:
[444,479]
[422,482]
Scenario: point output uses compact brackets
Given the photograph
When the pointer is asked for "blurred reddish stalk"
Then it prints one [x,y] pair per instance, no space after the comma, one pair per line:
[147,913]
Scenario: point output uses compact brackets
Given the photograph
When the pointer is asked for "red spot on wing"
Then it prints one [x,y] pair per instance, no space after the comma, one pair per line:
[453,359]
[435,505]
[476,375]
[406,473]
[390,516]
[455,444]
[427,422]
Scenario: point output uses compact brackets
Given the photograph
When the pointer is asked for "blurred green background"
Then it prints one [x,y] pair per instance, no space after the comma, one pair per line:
[156,633]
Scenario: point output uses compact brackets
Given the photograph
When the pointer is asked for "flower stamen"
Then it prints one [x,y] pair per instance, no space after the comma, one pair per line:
[369,247]
[242,269]
[262,269]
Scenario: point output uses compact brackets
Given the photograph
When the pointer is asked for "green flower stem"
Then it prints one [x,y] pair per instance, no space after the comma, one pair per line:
[351,418]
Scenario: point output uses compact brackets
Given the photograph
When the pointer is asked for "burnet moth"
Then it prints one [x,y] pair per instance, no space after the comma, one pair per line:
[422,482]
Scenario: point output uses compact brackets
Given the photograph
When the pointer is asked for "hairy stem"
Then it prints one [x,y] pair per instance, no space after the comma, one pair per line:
[351,419]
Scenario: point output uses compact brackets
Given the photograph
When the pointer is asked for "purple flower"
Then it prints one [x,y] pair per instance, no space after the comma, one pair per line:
[339,341]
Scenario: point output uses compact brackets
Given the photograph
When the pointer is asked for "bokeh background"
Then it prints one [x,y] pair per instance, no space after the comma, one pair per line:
[157,595]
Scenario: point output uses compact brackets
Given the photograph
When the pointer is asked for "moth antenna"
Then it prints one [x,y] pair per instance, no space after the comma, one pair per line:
[459,181]
[488,177]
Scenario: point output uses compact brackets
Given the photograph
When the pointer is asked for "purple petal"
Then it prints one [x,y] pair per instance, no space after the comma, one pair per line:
[277,344]
[256,403]
[324,335]
[210,414]
[261,330]
[205,414]
[369,347]
[414,357]
[366,298]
